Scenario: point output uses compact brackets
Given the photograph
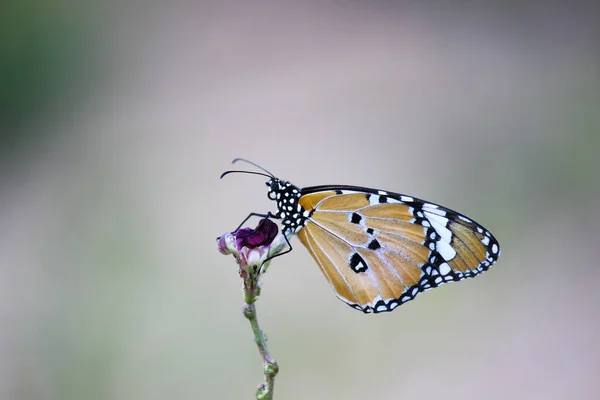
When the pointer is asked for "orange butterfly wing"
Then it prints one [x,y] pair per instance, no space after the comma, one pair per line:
[379,249]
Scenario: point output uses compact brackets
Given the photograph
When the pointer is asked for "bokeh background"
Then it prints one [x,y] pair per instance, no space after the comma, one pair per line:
[117,118]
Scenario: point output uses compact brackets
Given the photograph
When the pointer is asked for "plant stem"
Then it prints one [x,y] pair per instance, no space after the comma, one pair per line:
[251,291]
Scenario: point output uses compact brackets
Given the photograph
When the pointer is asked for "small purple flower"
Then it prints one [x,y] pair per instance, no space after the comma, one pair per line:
[263,235]
[252,247]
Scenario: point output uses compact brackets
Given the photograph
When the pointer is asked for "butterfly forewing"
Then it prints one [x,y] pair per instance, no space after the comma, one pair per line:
[379,249]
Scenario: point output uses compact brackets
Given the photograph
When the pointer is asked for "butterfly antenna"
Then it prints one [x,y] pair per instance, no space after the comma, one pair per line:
[251,163]
[244,172]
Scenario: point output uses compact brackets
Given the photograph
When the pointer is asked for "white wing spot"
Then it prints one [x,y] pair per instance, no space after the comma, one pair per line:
[494,248]
[462,217]
[446,250]
[485,240]
[439,223]
[439,216]
[444,269]
[406,198]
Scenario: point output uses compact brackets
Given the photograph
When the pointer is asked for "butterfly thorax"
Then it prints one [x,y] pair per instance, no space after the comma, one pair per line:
[289,210]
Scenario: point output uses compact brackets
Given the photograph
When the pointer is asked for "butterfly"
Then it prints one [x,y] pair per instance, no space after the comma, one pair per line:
[378,249]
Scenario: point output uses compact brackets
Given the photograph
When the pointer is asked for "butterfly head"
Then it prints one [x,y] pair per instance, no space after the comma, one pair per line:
[286,195]
[274,185]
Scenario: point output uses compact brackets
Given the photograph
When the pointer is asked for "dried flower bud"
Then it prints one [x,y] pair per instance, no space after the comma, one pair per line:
[263,235]
[227,244]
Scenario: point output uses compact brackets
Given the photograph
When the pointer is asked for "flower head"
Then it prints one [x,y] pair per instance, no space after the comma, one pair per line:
[252,247]
[263,235]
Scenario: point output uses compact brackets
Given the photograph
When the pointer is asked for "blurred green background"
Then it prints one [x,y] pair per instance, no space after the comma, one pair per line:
[116,120]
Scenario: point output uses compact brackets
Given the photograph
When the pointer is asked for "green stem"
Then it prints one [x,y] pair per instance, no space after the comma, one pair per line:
[265,389]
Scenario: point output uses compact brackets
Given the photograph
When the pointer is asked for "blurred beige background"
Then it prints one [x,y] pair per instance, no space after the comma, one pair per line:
[116,121]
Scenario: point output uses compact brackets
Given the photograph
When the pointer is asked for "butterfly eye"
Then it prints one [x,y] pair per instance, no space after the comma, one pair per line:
[271,195]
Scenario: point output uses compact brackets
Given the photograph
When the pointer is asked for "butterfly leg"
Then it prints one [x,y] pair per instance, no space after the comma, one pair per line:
[290,248]
[267,215]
